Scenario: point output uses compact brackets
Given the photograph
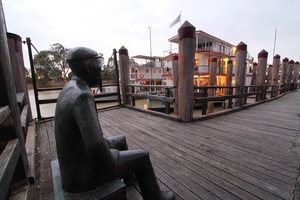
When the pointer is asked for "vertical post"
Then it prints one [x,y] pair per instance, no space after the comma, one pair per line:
[289,74]
[36,98]
[167,104]
[283,72]
[212,82]
[17,64]
[261,76]
[241,54]
[117,75]
[229,83]
[186,59]
[268,80]
[296,75]
[269,76]
[253,78]
[175,82]
[275,74]
[124,74]
[132,88]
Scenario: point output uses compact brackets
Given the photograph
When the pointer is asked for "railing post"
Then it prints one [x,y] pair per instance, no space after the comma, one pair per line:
[245,95]
[275,74]
[283,73]
[253,78]
[296,75]
[212,82]
[241,54]
[132,91]
[175,82]
[124,74]
[117,75]
[261,76]
[204,103]
[289,75]
[269,76]
[186,59]
[229,83]
[167,108]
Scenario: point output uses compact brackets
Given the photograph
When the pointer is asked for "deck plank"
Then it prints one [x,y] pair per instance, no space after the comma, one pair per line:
[250,154]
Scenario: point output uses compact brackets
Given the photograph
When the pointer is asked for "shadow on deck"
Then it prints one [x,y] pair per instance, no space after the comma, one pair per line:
[250,154]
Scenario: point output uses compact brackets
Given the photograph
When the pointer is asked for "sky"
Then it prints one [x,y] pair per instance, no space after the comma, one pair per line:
[103,25]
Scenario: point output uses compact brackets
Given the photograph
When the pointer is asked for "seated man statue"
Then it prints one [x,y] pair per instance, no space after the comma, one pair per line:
[87,159]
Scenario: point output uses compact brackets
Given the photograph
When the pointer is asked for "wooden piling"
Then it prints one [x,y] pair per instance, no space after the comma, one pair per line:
[275,74]
[296,75]
[229,83]
[124,74]
[175,82]
[253,78]
[212,82]
[269,76]
[18,68]
[241,54]
[289,75]
[186,60]
[283,72]
[261,75]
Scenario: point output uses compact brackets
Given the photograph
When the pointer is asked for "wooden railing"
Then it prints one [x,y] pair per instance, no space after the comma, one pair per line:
[201,94]
[166,98]
[204,98]
[54,100]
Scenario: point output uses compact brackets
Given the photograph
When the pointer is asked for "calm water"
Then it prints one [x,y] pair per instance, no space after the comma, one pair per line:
[48,110]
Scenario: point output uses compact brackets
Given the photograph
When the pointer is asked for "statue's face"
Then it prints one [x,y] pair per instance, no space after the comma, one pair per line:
[94,72]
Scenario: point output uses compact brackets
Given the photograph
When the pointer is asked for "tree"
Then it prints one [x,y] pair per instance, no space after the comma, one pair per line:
[51,64]
[108,71]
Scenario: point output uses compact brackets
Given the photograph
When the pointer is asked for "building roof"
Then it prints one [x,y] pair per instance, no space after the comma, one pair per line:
[201,38]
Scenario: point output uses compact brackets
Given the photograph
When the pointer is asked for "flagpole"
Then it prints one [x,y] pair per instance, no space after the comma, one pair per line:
[274,42]
[180,19]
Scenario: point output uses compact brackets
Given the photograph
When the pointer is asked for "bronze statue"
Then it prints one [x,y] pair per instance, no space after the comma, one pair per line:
[87,159]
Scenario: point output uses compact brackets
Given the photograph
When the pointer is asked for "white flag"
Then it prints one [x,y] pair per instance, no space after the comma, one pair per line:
[176,20]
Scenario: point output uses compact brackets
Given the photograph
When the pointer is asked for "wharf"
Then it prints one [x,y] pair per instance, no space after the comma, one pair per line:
[250,154]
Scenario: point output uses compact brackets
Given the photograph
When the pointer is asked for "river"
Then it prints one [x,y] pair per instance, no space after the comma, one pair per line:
[48,110]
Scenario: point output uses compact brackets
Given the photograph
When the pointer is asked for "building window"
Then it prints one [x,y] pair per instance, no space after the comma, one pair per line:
[147,70]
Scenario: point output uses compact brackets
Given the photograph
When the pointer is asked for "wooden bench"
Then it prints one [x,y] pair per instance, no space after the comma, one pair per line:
[114,190]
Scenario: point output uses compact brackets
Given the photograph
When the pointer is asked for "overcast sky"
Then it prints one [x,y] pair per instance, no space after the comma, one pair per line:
[107,24]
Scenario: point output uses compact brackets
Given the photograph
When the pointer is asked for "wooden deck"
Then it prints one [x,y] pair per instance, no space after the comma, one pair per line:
[250,154]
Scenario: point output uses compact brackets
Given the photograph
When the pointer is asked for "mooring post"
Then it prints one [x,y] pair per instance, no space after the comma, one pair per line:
[212,82]
[253,78]
[283,73]
[124,74]
[275,74]
[241,54]
[289,74]
[229,83]
[17,63]
[186,59]
[175,82]
[269,76]
[261,76]
[296,75]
